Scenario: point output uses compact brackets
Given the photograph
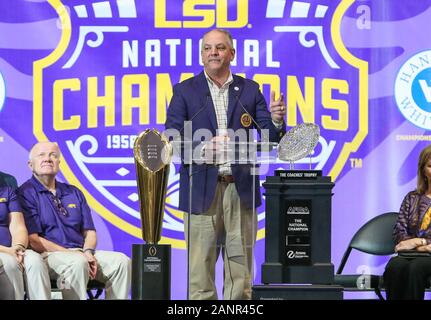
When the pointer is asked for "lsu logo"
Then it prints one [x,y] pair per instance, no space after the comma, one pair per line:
[112,75]
[413,89]
[196,14]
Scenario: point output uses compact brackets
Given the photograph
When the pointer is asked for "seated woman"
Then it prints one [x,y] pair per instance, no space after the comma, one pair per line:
[405,277]
[15,260]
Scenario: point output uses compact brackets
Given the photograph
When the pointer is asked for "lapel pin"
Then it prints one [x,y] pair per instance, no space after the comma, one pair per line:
[246,120]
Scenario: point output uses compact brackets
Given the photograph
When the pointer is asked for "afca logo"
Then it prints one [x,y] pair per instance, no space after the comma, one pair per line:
[413,89]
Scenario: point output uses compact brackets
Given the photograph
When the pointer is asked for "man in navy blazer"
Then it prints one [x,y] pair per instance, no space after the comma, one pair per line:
[217,102]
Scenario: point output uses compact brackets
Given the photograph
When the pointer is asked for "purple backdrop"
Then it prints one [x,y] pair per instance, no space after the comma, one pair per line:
[93,74]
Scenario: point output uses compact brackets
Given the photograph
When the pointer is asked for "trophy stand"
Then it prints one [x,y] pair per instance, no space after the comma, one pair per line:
[151,262]
[151,272]
[298,227]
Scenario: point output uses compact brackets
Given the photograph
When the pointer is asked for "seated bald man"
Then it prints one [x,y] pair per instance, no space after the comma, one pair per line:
[61,228]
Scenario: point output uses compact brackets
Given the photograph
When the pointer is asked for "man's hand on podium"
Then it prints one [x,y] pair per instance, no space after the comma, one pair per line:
[216,151]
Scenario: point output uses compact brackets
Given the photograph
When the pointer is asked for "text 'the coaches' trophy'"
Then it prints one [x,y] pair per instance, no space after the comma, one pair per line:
[151,266]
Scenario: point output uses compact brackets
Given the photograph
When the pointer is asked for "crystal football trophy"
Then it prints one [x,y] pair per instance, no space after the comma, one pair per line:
[298,143]
[151,261]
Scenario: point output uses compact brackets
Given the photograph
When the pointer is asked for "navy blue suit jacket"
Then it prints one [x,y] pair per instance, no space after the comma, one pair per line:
[189,97]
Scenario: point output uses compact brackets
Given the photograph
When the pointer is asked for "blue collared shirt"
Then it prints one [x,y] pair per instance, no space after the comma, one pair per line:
[43,217]
[8,203]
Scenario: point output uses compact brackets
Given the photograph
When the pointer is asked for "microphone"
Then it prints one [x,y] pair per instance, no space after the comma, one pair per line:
[243,108]
[259,147]
[208,95]
[187,155]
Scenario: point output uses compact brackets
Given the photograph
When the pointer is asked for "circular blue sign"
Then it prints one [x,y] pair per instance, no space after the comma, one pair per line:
[421,90]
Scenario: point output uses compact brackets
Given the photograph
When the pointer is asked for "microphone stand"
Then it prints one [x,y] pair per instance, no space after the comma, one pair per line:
[189,219]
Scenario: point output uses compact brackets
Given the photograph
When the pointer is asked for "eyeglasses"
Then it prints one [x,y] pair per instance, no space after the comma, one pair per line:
[58,205]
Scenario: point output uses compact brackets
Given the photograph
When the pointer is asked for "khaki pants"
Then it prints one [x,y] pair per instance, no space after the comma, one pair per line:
[71,271]
[228,228]
[12,284]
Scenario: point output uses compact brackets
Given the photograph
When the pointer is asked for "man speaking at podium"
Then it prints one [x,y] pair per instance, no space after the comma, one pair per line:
[222,215]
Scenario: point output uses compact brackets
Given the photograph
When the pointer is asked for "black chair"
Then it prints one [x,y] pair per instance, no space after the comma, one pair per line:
[92,285]
[374,237]
[95,285]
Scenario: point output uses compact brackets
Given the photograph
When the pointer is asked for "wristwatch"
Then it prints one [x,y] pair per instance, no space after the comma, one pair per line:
[22,247]
[93,251]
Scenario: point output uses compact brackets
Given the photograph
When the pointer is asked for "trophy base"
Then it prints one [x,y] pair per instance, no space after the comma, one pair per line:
[321,273]
[151,272]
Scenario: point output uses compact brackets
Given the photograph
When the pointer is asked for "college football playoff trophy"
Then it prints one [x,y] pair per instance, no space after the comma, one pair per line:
[151,265]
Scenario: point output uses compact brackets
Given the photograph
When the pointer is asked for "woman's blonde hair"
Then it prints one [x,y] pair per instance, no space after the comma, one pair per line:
[424,157]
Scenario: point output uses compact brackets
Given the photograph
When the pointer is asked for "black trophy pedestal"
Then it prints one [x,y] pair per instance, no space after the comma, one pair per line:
[151,272]
[298,237]
[298,224]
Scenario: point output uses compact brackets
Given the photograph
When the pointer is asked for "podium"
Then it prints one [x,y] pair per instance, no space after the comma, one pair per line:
[202,164]
[298,237]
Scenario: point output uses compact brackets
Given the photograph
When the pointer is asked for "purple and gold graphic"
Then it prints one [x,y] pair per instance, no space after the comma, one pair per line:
[92,75]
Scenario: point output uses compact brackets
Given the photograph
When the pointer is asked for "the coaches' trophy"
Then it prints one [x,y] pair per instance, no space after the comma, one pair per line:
[299,142]
[151,261]
[298,224]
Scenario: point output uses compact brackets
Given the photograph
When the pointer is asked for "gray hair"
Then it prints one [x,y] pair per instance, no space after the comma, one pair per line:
[225,32]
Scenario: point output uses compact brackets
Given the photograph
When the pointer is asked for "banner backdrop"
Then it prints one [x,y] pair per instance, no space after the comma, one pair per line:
[91,75]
